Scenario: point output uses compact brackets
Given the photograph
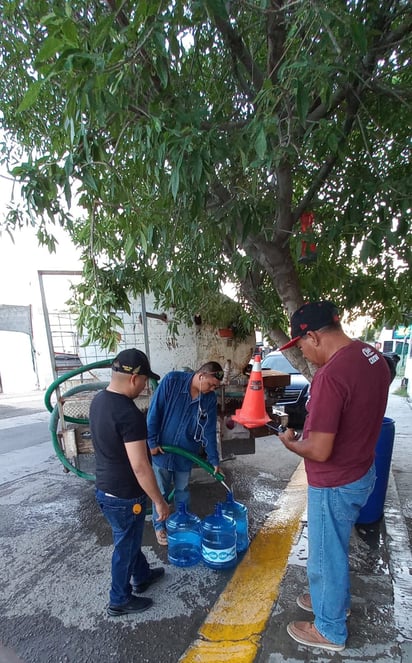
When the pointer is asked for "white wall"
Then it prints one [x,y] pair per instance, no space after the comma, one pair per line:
[193,346]
[190,349]
[16,367]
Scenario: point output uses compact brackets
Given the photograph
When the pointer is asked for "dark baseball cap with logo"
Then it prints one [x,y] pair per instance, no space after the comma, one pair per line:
[311,317]
[133,362]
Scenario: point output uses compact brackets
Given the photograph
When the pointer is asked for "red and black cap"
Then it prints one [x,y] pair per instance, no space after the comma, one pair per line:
[311,317]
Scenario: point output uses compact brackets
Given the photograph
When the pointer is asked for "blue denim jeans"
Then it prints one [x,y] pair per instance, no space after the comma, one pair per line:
[129,565]
[332,512]
[165,480]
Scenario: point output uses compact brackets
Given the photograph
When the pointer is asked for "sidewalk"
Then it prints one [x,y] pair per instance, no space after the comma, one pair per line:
[380,627]
[248,622]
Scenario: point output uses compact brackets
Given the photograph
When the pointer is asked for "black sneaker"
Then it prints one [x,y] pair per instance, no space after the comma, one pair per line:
[155,574]
[135,604]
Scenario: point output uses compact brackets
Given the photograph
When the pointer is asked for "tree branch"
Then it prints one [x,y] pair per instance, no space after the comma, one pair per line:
[124,22]
[324,171]
[381,46]
[403,95]
[353,98]
[276,35]
[239,51]
[121,17]
[285,218]
[322,110]
[395,36]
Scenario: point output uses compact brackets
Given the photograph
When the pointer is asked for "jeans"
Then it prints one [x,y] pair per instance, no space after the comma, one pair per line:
[129,565]
[332,512]
[165,479]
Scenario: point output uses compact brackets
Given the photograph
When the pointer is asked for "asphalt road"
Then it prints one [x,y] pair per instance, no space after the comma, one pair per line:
[54,587]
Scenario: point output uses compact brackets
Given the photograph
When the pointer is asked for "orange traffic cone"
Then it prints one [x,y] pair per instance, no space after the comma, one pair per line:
[253,413]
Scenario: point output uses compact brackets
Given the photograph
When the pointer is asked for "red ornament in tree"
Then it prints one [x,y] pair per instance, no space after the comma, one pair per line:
[308,252]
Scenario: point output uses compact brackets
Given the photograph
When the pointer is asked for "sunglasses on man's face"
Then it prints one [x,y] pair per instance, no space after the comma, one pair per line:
[218,375]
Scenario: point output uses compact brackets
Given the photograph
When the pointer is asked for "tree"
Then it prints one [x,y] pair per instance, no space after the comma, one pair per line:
[195,135]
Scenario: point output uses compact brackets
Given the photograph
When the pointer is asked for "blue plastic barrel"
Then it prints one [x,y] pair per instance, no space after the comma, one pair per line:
[373,509]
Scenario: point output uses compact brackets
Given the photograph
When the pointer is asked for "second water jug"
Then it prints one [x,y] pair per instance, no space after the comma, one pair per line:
[219,540]
[238,512]
[184,533]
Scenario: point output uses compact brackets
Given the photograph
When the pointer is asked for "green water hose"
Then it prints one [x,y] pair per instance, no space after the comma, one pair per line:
[104,363]
[55,415]
[54,422]
[196,459]
[54,419]
[71,374]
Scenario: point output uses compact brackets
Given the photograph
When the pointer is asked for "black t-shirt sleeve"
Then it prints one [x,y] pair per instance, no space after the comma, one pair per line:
[131,425]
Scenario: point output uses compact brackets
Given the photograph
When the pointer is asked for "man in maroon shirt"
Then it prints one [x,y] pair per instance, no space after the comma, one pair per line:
[348,397]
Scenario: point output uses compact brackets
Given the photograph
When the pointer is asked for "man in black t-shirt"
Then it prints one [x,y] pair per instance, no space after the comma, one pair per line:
[124,479]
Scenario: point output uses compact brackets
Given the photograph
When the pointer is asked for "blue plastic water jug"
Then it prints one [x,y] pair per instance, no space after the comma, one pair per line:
[238,512]
[184,533]
[219,540]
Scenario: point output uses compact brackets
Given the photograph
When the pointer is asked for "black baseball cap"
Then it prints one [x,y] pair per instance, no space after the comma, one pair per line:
[311,317]
[133,362]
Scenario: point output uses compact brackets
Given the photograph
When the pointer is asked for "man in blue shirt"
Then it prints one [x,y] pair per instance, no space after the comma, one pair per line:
[182,413]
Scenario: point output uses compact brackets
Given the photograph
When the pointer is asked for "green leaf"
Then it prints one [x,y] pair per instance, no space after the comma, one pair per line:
[68,193]
[198,167]
[332,142]
[174,182]
[302,102]
[50,47]
[162,71]
[70,32]
[260,144]
[359,35]
[30,97]
[68,165]
[216,8]
[90,181]
[143,240]
[130,247]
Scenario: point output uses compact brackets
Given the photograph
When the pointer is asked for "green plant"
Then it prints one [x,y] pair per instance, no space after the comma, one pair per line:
[222,312]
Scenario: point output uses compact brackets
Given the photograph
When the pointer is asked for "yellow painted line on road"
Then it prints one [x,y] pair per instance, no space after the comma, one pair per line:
[233,628]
